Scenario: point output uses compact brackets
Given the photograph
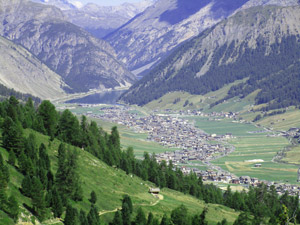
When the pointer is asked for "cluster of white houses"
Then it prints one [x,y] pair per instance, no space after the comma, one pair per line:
[247,181]
[169,131]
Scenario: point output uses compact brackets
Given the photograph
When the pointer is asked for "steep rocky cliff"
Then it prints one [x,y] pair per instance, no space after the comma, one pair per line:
[83,61]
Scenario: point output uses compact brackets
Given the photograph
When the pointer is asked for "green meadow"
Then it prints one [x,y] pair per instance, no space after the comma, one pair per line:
[262,148]
[110,185]
[224,126]
[248,146]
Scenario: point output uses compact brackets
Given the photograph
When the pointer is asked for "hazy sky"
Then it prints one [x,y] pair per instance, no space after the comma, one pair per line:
[104,2]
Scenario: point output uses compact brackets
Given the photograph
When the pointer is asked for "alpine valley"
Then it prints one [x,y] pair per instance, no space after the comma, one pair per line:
[83,62]
[206,130]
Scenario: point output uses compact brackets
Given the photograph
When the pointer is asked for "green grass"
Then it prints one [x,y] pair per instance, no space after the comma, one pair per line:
[224,126]
[110,185]
[293,156]
[258,147]
[282,121]
[199,101]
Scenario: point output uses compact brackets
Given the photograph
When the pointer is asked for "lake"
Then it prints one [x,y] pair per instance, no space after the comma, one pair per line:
[108,97]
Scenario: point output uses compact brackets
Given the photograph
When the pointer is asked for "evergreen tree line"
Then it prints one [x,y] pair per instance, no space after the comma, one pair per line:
[276,74]
[53,192]
[7,92]
[7,204]
[179,216]
[48,192]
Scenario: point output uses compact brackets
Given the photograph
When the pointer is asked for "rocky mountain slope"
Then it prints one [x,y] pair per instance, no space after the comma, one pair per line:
[153,34]
[101,20]
[83,61]
[23,72]
[260,43]
[61,4]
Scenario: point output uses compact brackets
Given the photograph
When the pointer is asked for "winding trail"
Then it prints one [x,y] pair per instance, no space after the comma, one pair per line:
[159,197]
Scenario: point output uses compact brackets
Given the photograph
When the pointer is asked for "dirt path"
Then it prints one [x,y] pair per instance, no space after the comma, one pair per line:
[109,211]
[159,198]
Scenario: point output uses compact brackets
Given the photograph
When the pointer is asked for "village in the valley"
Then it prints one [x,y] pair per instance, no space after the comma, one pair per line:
[187,143]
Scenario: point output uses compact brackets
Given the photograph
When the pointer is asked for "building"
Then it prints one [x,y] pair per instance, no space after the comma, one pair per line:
[154,191]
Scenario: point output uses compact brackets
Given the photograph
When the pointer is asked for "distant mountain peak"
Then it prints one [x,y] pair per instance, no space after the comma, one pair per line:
[62,4]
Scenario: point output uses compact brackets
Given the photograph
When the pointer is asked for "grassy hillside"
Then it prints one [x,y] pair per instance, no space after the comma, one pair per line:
[176,100]
[110,184]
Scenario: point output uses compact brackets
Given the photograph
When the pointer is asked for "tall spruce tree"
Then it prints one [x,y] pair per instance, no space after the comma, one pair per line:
[140,218]
[117,219]
[13,208]
[47,113]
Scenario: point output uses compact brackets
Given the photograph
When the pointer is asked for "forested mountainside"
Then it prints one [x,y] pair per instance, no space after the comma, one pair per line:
[152,35]
[43,176]
[84,62]
[261,44]
[23,72]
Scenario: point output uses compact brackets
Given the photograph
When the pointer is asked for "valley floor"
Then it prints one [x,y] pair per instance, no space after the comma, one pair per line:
[249,142]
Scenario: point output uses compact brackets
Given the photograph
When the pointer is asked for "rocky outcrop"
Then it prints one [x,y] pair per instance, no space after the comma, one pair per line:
[84,62]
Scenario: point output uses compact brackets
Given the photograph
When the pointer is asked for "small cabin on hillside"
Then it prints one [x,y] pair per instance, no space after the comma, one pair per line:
[154,191]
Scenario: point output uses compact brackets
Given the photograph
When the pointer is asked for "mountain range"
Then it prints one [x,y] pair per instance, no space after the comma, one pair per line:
[84,62]
[101,20]
[259,44]
[153,34]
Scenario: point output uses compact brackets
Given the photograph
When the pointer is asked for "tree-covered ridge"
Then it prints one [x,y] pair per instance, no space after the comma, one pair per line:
[51,192]
[275,73]
[6,92]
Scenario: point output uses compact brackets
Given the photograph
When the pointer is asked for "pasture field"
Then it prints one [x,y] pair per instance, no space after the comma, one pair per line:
[282,121]
[249,145]
[224,126]
[293,156]
[263,148]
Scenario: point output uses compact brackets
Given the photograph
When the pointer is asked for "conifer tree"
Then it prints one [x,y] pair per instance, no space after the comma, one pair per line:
[165,220]
[56,203]
[179,216]
[93,216]
[12,136]
[140,218]
[127,200]
[13,208]
[12,158]
[38,199]
[72,217]
[26,186]
[4,179]
[126,215]
[117,219]
[93,198]
[150,219]
[82,218]
[48,115]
